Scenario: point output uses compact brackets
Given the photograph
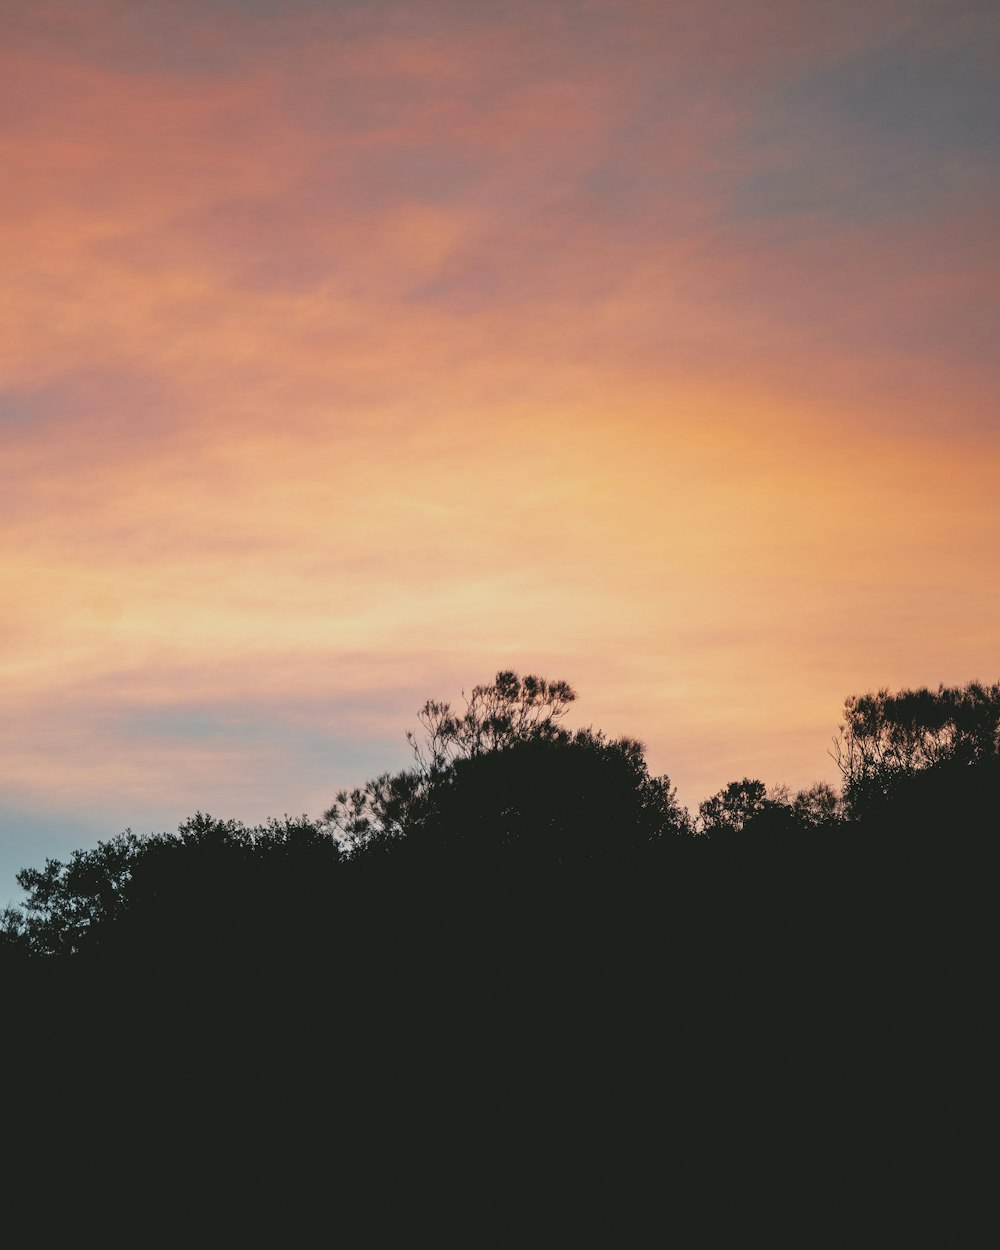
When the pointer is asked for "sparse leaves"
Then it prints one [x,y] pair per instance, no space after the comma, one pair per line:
[511,709]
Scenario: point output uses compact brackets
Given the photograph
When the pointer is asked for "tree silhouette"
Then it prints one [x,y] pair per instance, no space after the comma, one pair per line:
[733,807]
[564,799]
[511,709]
[517,951]
[886,738]
[818,805]
[500,800]
[68,902]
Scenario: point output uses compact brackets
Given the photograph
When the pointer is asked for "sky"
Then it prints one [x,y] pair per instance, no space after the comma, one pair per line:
[353,351]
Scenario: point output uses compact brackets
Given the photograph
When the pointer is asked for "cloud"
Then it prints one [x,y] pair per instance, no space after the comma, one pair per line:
[898,131]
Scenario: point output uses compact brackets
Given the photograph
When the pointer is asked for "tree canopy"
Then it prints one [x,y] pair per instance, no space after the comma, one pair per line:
[499,790]
[886,738]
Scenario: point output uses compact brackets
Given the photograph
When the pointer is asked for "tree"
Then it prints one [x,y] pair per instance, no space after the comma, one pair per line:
[379,812]
[505,773]
[886,738]
[209,877]
[734,806]
[510,710]
[574,798]
[14,939]
[819,805]
[68,902]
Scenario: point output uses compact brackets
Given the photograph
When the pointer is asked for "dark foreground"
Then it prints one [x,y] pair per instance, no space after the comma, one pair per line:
[545,1008]
[783,1047]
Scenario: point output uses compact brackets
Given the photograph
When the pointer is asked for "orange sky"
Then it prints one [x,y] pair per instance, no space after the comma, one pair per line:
[351,352]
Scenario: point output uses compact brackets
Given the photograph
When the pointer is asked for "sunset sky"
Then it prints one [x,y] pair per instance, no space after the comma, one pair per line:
[351,351]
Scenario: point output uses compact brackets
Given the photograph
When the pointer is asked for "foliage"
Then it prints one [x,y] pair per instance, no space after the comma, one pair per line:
[503,792]
[573,798]
[818,805]
[887,737]
[379,812]
[67,901]
[72,907]
[733,807]
[505,773]
[512,709]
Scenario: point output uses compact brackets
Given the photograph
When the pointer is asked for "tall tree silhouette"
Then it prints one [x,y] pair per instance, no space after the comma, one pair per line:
[510,710]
